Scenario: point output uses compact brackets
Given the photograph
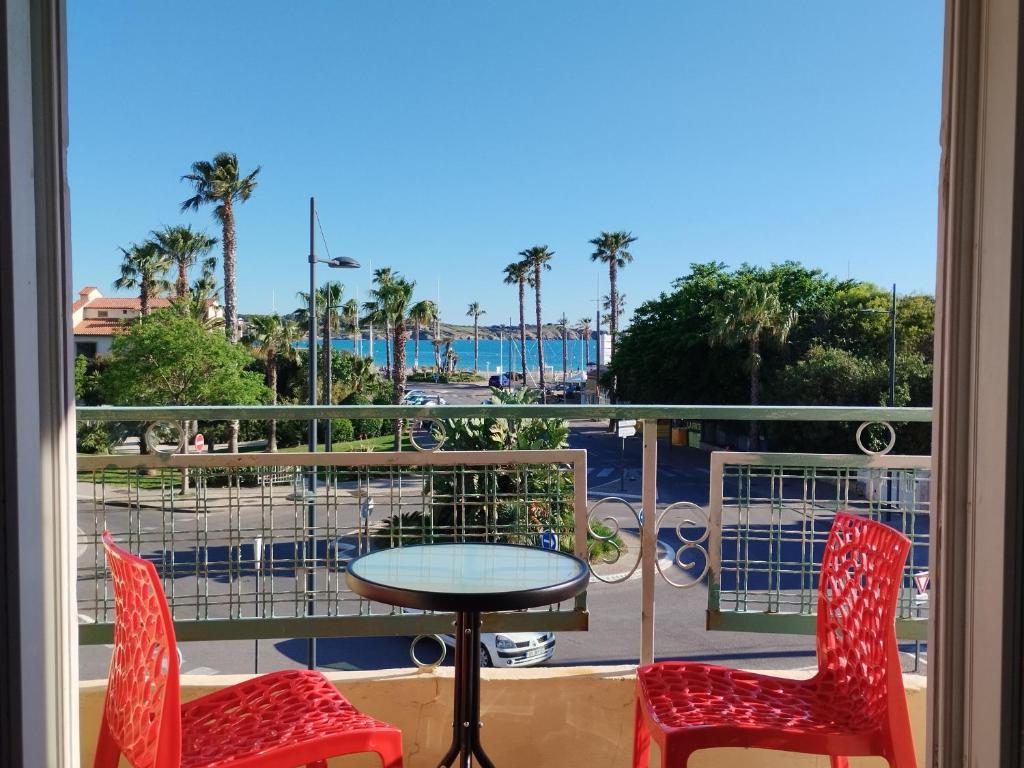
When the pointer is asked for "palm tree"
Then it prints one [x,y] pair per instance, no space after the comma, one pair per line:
[585,330]
[474,311]
[394,297]
[143,267]
[328,299]
[183,248]
[382,277]
[274,340]
[422,314]
[753,315]
[538,258]
[613,249]
[516,273]
[563,326]
[619,310]
[436,343]
[350,318]
[220,184]
[200,296]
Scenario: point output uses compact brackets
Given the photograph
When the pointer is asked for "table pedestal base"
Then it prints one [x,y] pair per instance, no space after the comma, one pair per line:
[466,718]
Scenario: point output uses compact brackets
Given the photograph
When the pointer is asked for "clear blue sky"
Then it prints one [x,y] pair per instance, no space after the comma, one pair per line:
[440,138]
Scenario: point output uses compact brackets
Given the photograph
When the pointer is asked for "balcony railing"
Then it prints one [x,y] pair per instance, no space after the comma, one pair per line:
[254,545]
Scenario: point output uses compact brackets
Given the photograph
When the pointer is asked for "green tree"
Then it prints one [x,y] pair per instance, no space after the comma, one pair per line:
[422,314]
[274,339]
[517,274]
[183,248]
[143,267]
[374,311]
[563,327]
[612,248]
[474,311]
[390,302]
[168,359]
[753,315]
[538,258]
[221,184]
[350,318]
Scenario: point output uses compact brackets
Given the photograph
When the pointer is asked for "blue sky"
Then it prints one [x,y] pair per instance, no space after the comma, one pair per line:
[440,138]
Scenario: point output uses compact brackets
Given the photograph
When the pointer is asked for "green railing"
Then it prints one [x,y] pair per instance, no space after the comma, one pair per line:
[247,551]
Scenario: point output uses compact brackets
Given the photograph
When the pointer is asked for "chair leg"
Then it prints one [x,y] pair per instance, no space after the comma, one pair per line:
[641,738]
[901,752]
[391,755]
[108,754]
[317,764]
[837,761]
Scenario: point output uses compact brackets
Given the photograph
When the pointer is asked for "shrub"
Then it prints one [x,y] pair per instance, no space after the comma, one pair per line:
[342,431]
[363,428]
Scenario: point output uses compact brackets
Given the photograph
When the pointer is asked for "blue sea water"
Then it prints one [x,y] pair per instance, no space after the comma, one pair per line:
[493,353]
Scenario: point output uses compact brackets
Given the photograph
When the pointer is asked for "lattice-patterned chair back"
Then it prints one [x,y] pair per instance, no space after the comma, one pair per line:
[861,575]
[142,709]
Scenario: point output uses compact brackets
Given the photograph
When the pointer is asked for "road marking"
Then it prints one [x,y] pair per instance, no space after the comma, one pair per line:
[603,473]
[202,671]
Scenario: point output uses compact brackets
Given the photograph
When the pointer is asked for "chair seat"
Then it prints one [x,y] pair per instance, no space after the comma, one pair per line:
[690,695]
[284,714]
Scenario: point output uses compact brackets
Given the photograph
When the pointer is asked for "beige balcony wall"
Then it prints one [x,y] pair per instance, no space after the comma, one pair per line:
[564,717]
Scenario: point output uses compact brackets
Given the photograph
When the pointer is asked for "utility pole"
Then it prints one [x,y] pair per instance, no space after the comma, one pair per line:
[892,350]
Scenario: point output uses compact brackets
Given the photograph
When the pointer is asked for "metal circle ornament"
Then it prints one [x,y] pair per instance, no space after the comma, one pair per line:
[888,446]
[153,440]
[435,431]
[424,666]
[698,544]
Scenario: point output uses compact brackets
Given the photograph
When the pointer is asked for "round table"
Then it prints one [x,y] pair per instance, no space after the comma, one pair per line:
[467,579]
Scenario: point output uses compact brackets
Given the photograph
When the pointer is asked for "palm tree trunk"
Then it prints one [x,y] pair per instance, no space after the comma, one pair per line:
[272,383]
[398,377]
[387,347]
[476,344]
[755,385]
[565,355]
[540,338]
[522,326]
[230,310]
[416,344]
[613,295]
[144,289]
[181,284]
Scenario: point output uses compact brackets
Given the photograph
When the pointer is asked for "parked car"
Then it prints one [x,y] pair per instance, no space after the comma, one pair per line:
[509,649]
[498,381]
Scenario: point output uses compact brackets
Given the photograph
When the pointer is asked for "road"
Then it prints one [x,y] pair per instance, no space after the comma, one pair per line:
[614,633]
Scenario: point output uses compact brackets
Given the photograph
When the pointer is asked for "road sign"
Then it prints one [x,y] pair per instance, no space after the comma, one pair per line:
[548,540]
[200,443]
[626,427]
[921,581]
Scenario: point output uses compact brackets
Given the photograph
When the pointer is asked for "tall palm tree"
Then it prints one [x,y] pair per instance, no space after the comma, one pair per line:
[753,315]
[202,293]
[350,318]
[328,300]
[517,273]
[585,330]
[474,311]
[274,340]
[422,314]
[538,258]
[563,327]
[382,277]
[143,267]
[613,249]
[618,308]
[395,297]
[183,248]
[436,343]
[219,182]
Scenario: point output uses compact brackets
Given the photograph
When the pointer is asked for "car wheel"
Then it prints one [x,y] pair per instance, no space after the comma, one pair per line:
[485,656]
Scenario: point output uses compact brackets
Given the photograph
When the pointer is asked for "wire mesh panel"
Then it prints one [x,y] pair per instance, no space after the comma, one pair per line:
[257,544]
[770,518]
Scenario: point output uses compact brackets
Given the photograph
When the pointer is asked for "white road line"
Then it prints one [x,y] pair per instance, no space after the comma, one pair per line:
[603,473]
[202,671]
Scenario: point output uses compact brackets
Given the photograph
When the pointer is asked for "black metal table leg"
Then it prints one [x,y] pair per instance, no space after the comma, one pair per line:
[466,711]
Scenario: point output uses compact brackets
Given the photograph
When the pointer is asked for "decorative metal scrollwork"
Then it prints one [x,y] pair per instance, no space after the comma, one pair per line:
[610,523]
[435,430]
[888,446]
[421,665]
[153,441]
[687,545]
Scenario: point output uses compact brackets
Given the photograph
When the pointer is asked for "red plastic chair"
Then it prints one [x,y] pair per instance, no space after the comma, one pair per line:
[283,719]
[854,705]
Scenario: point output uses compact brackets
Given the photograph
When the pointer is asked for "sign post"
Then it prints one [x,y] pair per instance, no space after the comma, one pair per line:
[624,428]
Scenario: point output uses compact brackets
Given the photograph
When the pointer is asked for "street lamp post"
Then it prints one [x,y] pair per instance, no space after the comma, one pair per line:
[892,345]
[340,262]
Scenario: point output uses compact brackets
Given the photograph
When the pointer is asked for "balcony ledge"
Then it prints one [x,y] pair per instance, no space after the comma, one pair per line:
[546,716]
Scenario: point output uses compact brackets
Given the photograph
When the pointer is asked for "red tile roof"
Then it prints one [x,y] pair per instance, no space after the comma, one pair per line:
[99,326]
[117,302]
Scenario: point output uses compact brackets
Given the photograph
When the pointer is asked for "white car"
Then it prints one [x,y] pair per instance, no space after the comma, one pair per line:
[512,649]
[509,649]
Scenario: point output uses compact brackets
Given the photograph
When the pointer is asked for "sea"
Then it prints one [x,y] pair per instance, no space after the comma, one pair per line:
[494,353]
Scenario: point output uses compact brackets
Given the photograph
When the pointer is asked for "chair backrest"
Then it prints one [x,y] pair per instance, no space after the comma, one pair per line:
[142,706]
[861,575]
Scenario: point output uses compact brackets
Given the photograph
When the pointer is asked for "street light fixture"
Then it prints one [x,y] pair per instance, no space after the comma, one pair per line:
[339,262]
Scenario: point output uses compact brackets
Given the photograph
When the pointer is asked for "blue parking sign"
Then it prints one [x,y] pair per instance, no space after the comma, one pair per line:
[548,540]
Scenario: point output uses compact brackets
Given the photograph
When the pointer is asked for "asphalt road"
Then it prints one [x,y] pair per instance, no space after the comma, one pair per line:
[614,633]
